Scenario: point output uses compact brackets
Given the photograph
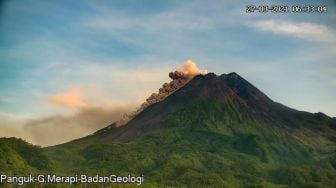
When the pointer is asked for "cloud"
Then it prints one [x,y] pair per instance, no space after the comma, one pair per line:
[86,117]
[304,30]
[56,129]
[199,15]
[59,129]
[163,21]
[71,98]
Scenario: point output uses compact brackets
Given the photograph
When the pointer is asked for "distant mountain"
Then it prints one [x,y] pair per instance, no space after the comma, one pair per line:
[217,131]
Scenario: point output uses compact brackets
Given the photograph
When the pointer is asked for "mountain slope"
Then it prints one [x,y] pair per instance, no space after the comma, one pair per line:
[206,143]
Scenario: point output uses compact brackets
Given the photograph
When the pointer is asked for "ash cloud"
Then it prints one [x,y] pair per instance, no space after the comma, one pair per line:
[179,78]
[85,119]
[59,128]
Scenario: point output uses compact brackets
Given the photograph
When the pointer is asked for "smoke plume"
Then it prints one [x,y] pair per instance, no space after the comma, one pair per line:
[179,78]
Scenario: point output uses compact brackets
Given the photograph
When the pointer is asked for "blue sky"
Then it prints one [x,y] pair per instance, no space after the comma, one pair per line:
[119,52]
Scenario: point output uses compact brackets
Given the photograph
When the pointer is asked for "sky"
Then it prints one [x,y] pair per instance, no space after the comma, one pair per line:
[68,68]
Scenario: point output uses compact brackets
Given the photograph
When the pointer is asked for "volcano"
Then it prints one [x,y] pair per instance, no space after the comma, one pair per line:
[237,100]
[217,131]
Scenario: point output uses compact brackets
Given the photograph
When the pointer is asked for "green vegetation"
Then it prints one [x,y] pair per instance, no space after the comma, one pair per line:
[19,157]
[203,144]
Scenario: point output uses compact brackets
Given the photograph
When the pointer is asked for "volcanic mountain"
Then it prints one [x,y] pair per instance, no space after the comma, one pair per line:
[214,131]
[236,101]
